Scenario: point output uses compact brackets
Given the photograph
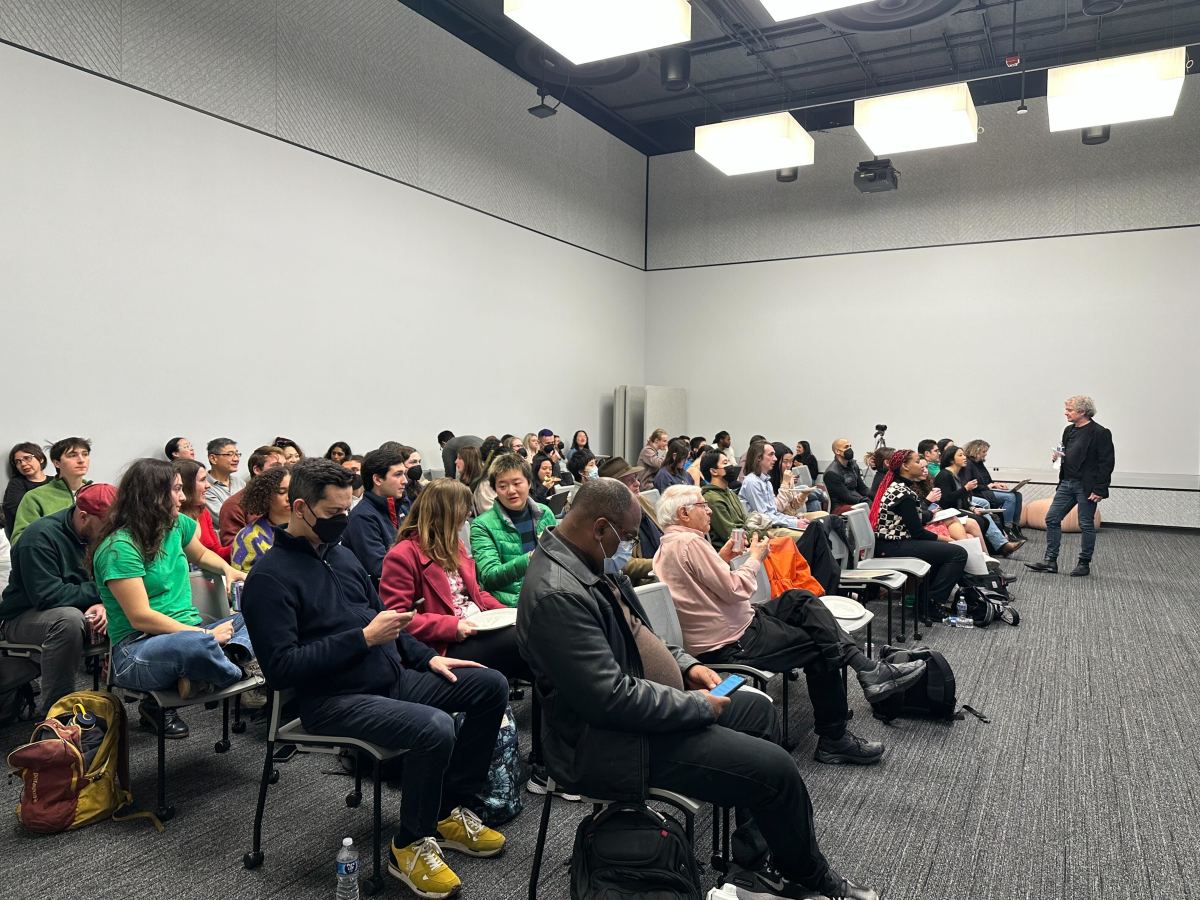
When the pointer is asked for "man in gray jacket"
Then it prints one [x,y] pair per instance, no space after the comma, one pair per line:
[622,711]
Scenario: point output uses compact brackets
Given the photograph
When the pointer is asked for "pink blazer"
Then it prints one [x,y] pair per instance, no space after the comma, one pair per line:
[408,575]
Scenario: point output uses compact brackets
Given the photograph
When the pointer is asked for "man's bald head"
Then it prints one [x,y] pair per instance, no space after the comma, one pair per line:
[603,498]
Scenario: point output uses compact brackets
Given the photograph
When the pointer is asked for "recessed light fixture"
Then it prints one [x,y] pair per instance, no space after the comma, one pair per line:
[781,10]
[589,30]
[760,144]
[917,120]
[1109,91]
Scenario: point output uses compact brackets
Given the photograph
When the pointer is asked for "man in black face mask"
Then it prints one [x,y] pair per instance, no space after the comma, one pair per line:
[844,479]
[326,636]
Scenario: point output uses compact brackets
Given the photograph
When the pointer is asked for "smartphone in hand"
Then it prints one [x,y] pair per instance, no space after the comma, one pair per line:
[728,686]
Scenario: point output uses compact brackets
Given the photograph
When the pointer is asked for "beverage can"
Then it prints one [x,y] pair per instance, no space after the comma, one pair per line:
[739,541]
[235,598]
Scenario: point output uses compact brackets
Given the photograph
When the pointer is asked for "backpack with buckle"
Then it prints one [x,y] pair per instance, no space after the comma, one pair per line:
[932,696]
[629,851]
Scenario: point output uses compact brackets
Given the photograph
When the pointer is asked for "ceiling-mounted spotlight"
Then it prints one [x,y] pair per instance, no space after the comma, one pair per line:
[788,175]
[1097,134]
[543,110]
[675,68]
[1022,109]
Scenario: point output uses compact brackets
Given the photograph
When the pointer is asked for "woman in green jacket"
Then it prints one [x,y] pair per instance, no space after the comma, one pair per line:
[504,537]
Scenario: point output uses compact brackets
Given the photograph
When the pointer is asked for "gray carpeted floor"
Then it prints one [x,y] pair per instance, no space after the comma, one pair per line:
[1084,785]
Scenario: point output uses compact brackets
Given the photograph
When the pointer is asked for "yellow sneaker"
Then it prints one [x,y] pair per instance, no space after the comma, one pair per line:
[463,831]
[421,867]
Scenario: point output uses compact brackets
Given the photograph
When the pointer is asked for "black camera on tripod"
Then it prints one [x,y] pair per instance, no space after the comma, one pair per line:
[880,431]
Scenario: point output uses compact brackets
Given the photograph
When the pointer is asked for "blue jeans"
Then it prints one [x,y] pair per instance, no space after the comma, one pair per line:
[1012,506]
[992,533]
[1071,493]
[157,662]
[814,502]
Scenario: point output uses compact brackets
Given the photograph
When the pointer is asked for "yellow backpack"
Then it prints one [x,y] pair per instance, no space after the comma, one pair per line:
[75,767]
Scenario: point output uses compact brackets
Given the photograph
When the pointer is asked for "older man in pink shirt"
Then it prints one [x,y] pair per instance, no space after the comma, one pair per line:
[793,631]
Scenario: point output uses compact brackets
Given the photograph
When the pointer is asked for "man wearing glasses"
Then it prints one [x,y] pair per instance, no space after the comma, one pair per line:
[793,631]
[223,461]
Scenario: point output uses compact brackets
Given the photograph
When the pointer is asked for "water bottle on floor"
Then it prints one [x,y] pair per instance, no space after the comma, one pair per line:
[347,871]
[964,620]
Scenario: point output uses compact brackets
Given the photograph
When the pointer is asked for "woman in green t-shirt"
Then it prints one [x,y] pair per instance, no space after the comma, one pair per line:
[159,641]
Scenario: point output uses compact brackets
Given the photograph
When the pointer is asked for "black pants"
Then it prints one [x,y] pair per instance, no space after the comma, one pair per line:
[948,562]
[797,631]
[736,763]
[498,650]
[441,771]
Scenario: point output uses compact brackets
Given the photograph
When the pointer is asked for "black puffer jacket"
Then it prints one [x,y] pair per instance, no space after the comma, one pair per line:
[596,707]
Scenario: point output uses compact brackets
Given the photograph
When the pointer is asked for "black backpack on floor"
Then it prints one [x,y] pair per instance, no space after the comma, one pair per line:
[985,606]
[929,697]
[629,851]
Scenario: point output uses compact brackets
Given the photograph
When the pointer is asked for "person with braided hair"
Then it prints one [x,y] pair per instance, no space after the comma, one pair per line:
[899,523]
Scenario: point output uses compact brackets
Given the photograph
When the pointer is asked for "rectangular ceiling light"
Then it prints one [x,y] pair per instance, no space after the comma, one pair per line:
[781,10]
[589,30]
[917,120]
[760,144]
[1109,91]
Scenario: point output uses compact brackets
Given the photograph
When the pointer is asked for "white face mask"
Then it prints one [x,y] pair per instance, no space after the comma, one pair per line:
[591,474]
[615,564]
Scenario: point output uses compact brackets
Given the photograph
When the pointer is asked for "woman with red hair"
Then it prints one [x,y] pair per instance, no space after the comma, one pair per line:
[899,523]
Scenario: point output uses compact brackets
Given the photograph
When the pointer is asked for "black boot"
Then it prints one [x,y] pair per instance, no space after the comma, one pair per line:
[849,749]
[1082,569]
[173,726]
[1046,565]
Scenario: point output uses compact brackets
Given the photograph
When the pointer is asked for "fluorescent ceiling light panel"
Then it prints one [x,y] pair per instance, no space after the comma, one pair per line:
[760,144]
[589,30]
[1109,91]
[781,10]
[917,120]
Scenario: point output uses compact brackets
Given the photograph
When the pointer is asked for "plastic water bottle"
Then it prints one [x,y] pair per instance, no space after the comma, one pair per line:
[1059,449]
[347,871]
[964,620]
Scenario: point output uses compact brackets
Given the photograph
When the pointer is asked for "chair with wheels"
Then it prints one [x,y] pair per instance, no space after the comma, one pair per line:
[292,732]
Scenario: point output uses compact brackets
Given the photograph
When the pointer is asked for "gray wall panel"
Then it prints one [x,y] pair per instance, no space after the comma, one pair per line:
[1019,181]
[370,82]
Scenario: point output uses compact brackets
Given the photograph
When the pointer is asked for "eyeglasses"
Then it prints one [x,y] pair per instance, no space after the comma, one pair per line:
[700,505]
[21,460]
[232,454]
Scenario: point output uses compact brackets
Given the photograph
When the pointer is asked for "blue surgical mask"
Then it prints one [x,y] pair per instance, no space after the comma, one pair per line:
[591,474]
[615,564]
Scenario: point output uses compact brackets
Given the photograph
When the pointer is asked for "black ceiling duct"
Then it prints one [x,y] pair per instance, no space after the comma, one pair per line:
[675,68]
[1101,7]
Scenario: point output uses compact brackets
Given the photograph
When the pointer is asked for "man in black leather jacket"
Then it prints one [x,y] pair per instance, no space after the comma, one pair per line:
[622,711]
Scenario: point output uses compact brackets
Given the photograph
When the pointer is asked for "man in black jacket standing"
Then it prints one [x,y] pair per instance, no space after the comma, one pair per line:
[1087,465]
[623,711]
[320,630]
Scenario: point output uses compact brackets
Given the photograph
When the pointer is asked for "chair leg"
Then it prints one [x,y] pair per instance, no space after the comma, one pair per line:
[539,848]
[239,725]
[165,813]
[222,746]
[254,858]
[904,610]
[375,882]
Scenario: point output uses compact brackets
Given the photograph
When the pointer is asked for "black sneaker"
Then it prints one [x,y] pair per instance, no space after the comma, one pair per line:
[849,749]
[1046,565]
[768,883]
[887,678]
[835,887]
[1082,569]
[537,784]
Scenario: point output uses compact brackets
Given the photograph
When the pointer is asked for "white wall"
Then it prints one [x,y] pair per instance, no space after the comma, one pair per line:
[168,273]
[1113,316]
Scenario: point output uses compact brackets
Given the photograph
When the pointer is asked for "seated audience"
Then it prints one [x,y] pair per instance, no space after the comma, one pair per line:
[233,516]
[996,493]
[640,567]
[532,446]
[26,471]
[50,598]
[674,466]
[322,632]
[429,571]
[485,494]
[374,522]
[504,537]
[266,502]
[651,457]
[510,443]
[291,450]
[757,493]
[71,457]
[723,502]
[878,464]
[545,481]
[583,466]
[354,464]
[552,446]
[723,442]
[805,457]
[338,452]
[928,451]
[453,446]
[223,461]
[843,479]
[791,497]
[468,467]
[140,562]
[957,493]
[444,436]
[194,479]
[793,631]
[639,699]
[578,442]
[179,448]
[899,525]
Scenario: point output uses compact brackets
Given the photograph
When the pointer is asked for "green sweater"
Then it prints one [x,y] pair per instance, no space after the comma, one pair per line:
[500,560]
[41,501]
[47,569]
[727,513]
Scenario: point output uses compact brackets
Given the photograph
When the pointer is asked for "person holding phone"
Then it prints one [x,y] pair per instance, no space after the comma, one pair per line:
[625,711]
[323,633]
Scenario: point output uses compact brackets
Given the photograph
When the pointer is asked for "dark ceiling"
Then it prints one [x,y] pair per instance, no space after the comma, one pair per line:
[743,63]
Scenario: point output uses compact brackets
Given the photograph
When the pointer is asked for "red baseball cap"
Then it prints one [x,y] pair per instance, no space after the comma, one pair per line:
[95,499]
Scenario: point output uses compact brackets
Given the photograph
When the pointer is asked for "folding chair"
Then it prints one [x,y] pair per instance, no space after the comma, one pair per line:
[293,733]
[652,496]
[883,570]
[93,654]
